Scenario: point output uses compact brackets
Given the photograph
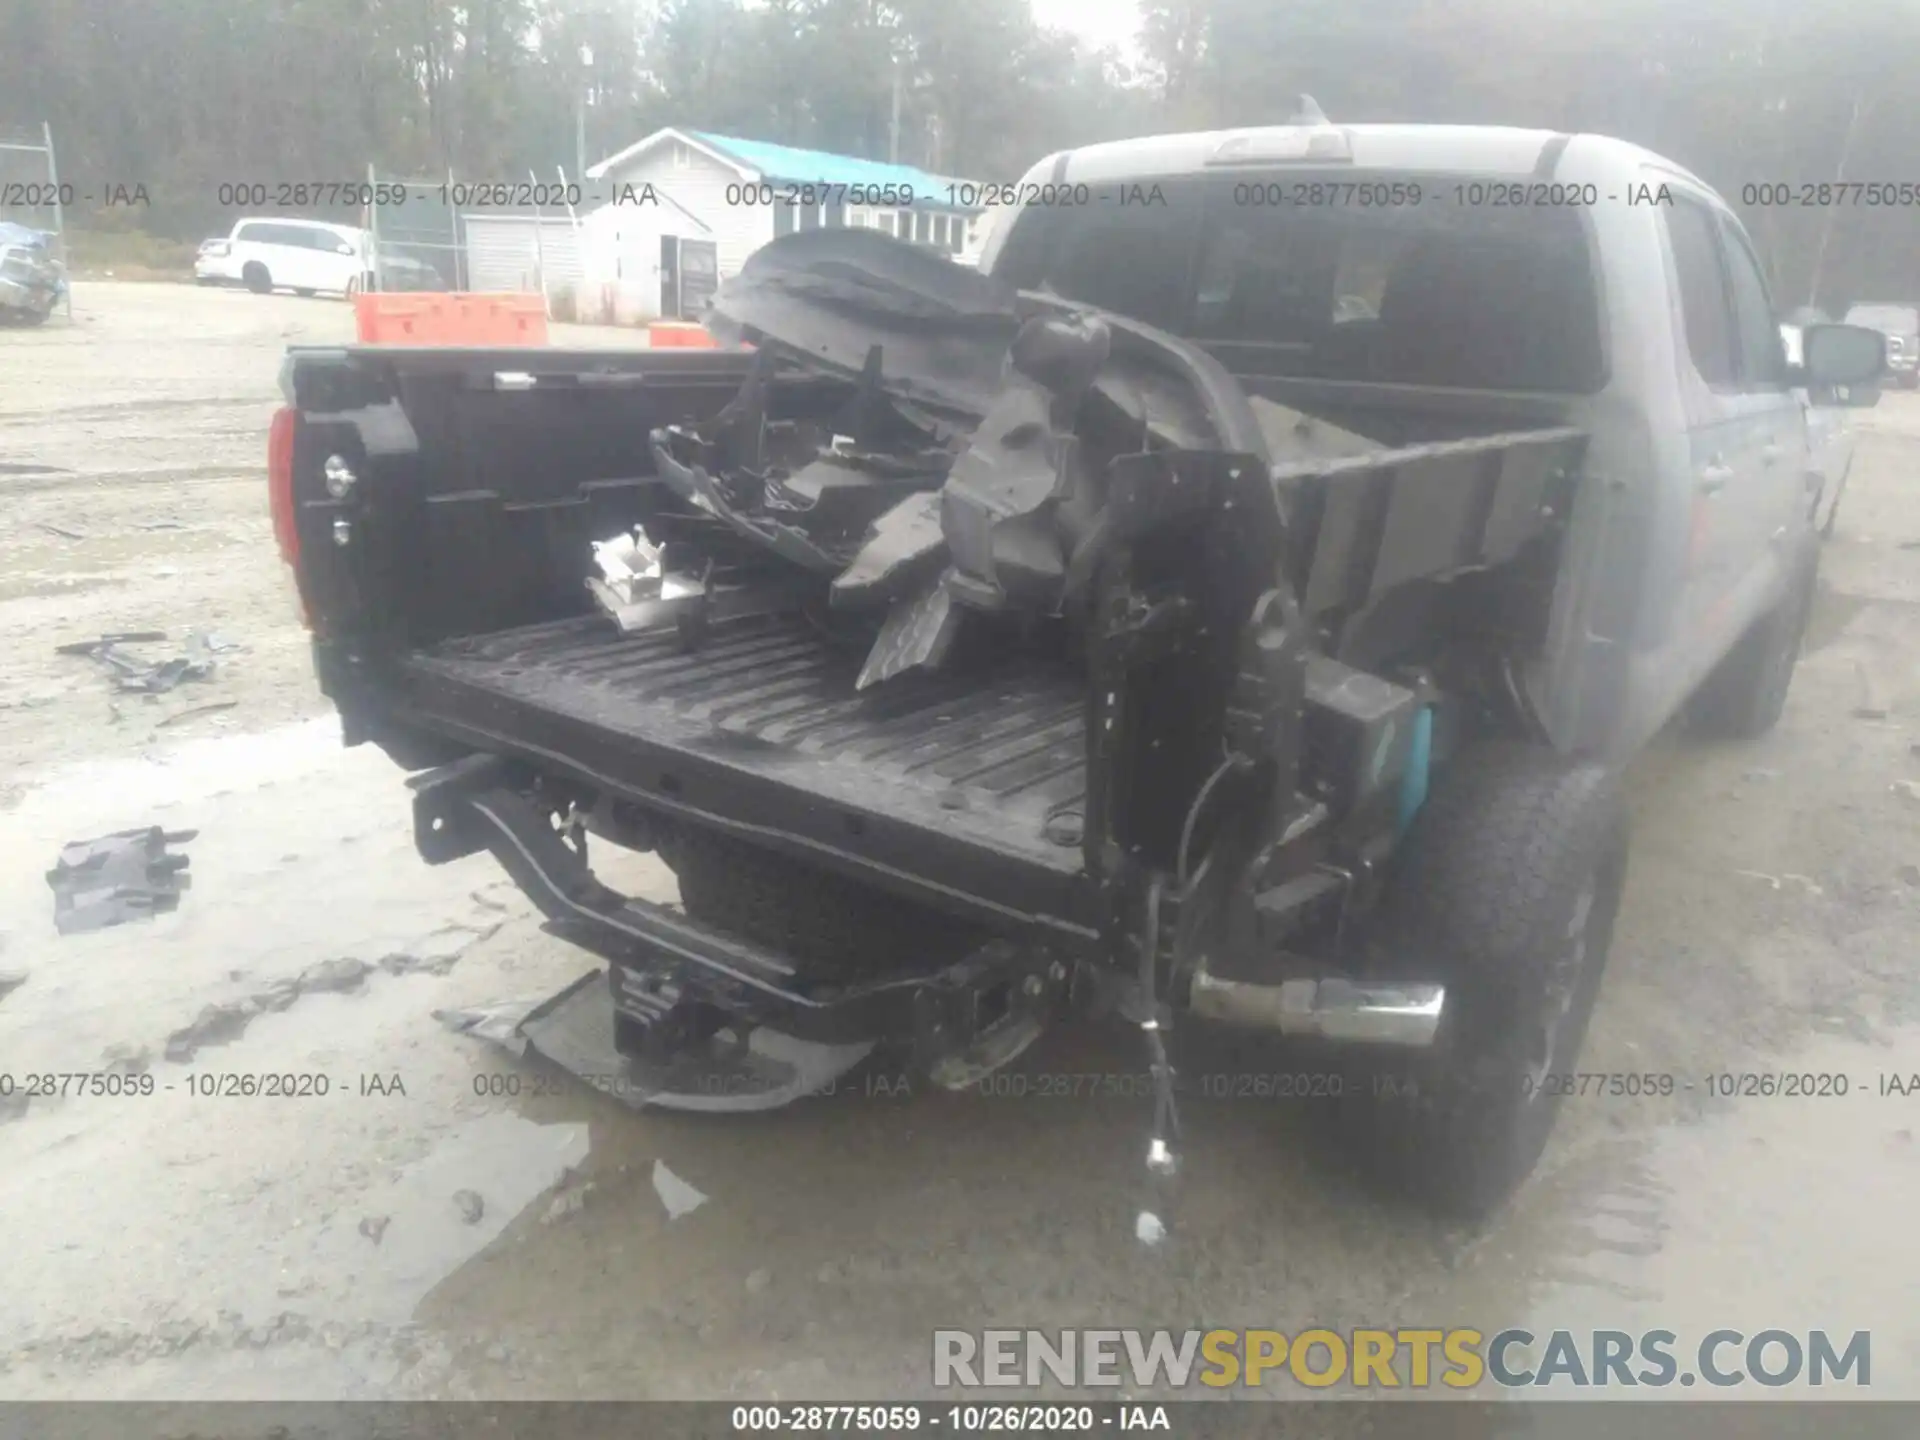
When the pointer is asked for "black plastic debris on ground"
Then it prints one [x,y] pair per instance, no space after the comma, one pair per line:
[573,1029]
[125,876]
[129,672]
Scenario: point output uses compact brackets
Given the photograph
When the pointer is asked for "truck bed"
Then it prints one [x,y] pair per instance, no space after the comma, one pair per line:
[957,776]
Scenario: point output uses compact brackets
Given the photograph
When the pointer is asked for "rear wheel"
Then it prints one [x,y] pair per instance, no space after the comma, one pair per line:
[255,277]
[1745,694]
[1506,892]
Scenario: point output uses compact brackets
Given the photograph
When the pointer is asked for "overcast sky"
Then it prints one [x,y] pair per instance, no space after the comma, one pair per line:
[1098,22]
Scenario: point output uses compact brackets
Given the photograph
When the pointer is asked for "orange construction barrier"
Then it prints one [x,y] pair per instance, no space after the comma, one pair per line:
[426,318]
[681,335]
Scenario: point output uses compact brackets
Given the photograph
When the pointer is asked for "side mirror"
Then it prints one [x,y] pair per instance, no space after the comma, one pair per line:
[1843,355]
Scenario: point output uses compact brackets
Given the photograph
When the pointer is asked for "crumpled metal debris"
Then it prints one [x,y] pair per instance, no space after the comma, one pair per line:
[499,1022]
[128,875]
[146,677]
[1000,504]
[629,567]
[917,634]
[689,601]
[573,1029]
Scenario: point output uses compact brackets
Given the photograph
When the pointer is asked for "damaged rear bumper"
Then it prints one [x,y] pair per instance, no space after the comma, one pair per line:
[676,982]
[719,1022]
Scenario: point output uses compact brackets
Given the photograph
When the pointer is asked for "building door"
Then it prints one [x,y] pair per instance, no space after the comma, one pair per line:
[669,277]
[699,277]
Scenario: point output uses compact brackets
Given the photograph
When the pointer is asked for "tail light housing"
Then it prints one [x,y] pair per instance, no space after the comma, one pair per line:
[280,483]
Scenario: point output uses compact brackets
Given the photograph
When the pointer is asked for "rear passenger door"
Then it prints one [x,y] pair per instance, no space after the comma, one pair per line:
[1782,492]
[277,247]
[311,256]
[336,258]
[1736,417]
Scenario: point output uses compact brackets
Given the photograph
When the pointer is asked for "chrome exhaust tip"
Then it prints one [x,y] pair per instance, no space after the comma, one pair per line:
[1359,1012]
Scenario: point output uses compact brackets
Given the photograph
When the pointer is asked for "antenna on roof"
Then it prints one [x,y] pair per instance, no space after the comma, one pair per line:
[1308,112]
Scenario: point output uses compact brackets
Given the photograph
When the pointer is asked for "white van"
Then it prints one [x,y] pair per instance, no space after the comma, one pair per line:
[299,255]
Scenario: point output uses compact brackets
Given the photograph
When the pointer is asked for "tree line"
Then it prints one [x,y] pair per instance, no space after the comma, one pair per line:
[184,96]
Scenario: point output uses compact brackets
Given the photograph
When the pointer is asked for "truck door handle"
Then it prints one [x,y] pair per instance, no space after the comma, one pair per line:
[1714,476]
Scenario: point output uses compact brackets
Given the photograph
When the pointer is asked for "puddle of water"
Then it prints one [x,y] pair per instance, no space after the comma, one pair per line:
[254,1216]
[1772,1213]
[303,854]
[426,1219]
[231,1210]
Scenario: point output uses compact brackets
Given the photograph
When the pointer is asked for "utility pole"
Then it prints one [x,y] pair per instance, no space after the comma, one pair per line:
[893,125]
[1826,220]
[580,117]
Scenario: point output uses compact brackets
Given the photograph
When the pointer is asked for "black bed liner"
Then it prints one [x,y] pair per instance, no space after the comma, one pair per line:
[759,732]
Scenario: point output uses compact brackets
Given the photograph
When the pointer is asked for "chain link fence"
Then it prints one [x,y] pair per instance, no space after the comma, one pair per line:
[418,242]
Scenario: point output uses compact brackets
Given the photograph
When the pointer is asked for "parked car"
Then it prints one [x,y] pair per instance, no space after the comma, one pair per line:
[400,271]
[32,280]
[1901,325]
[304,256]
[1105,629]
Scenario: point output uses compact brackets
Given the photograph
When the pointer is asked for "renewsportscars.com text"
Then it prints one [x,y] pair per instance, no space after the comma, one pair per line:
[1403,1358]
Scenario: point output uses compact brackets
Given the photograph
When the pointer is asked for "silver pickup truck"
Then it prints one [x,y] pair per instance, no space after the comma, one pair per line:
[1831,437]
[1230,605]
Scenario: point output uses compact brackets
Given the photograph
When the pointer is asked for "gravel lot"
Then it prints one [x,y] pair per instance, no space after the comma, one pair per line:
[433,1238]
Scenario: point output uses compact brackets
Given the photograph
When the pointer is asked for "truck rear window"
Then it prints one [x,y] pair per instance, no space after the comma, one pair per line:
[1433,293]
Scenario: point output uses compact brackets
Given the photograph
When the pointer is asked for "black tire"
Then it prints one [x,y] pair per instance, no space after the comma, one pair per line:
[255,277]
[1745,694]
[1505,891]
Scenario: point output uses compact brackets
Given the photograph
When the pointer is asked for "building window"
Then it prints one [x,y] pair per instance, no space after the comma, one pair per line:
[833,216]
[886,221]
[809,217]
[783,221]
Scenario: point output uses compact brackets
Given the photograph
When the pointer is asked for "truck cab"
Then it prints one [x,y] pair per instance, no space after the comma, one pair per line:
[1645,320]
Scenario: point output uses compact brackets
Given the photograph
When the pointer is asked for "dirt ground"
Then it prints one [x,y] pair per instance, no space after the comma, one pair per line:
[447,1222]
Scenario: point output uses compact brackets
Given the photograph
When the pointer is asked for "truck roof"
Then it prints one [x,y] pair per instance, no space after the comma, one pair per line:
[1458,149]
